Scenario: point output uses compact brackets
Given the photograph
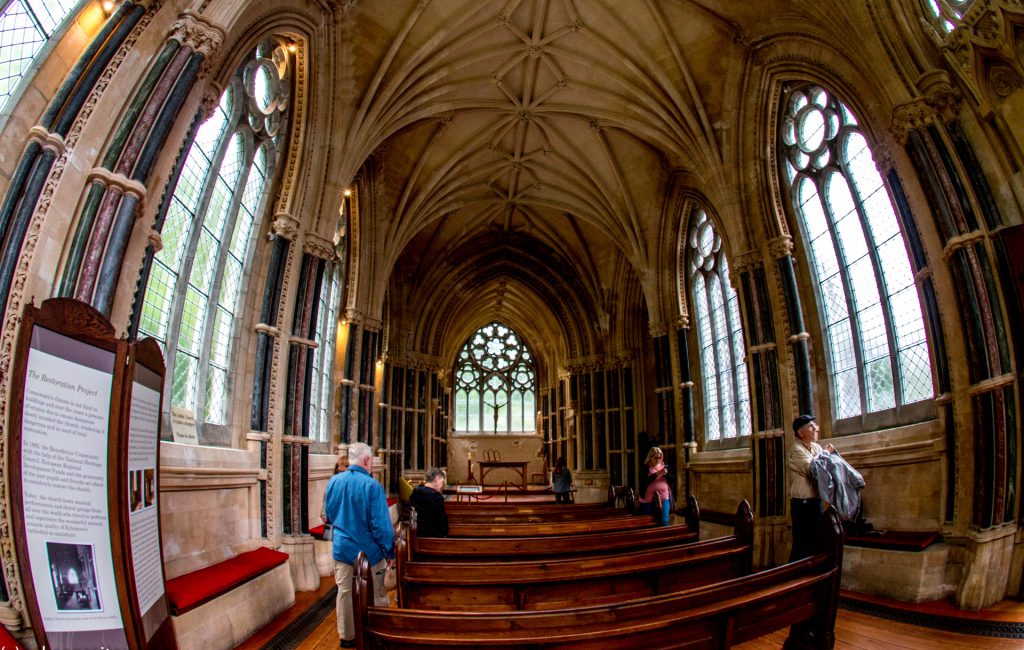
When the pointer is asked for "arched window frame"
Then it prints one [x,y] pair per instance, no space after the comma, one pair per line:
[253,126]
[944,16]
[830,160]
[478,375]
[724,394]
[27,26]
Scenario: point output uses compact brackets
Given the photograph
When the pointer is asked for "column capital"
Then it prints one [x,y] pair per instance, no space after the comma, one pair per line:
[781,246]
[317,246]
[197,33]
[284,225]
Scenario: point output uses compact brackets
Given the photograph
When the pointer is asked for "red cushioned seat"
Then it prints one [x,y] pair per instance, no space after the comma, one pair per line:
[317,531]
[193,589]
[8,642]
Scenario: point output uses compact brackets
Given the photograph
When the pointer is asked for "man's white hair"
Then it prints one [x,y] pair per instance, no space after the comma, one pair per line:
[358,451]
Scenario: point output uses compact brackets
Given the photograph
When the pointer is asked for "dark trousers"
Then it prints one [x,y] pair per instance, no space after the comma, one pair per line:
[806,513]
[562,497]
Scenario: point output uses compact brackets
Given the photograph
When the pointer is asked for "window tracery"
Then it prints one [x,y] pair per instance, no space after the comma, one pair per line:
[726,397]
[495,386]
[875,345]
[196,280]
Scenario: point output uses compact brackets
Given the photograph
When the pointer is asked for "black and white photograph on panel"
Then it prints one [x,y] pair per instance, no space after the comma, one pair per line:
[73,573]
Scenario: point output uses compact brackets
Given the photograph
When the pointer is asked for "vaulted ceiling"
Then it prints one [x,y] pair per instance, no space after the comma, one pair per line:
[548,133]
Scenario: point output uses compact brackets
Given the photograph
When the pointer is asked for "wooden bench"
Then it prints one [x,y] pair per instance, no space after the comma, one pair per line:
[254,586]
[548,529]
[549,583]
[804,594]
[459,517]
[410,546]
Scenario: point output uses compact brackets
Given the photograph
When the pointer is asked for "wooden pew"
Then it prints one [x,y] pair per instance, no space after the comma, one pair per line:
[621,496]
[410,546]
[577,579]
[464,517]
[548,529]
[803,594]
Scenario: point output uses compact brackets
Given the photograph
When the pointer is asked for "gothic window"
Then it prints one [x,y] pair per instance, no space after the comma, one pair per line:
[494,380]
[945,15]
[875,346]
[25,26]
[719,334]
[197,278]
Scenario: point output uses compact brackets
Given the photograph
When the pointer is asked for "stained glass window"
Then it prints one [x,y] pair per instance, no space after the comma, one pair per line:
[196,280]
[25,26]
[719,334]
[876,349]
[495,386]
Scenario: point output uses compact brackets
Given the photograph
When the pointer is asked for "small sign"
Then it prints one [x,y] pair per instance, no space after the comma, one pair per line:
[469,489]
[183,426]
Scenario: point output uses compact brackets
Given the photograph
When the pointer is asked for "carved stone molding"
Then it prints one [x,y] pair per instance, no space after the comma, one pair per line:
[155,240]
[267,329]
[210,99]
[317,246]
[298,340]
[120,181]
[746,262]
[683,322]
[658,329]
[939,100]
[780,246]
[48,141]
[197,33]
[284,225]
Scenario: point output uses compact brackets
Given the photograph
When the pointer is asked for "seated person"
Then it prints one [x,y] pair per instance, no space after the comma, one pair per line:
[431,517]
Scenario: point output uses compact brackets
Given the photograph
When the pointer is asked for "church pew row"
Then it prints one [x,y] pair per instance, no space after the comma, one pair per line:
[411,546]
[548,529]
[465,517]
[803,594]
[619,496]
[578,580]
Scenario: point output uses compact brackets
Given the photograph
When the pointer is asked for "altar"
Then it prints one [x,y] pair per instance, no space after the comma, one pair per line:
[519,466]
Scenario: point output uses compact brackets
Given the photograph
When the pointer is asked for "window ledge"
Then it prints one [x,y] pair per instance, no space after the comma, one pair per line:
[726,460]
[913,443]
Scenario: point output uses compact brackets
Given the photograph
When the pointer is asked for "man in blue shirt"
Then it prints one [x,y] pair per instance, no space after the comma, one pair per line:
[357,506]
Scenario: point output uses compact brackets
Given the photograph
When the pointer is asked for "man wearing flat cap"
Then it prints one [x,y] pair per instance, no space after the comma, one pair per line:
[804,501]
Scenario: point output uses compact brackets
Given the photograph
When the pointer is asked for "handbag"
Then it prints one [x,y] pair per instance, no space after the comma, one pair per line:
[388,580]
[328,532]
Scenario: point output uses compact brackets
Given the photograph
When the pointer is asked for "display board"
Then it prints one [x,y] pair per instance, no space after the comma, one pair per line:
[84,423]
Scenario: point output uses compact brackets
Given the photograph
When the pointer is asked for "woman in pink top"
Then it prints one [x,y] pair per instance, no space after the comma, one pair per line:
[656,487]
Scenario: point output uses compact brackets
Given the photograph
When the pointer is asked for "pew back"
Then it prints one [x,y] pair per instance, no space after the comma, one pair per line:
[803,594]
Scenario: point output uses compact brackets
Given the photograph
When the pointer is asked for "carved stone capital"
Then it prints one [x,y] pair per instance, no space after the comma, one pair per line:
[746,262]
[120,181]
[197,33]
[284,225]
[317,246]
[658,329]
[882,154]
[780,247]
[683,321]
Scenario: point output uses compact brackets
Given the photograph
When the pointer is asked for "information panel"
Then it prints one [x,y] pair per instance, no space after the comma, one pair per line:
[65,426]
[144,522]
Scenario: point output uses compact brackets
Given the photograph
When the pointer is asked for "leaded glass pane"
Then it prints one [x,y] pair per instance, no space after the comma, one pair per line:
[221,338]
[25,25]
[183,388]
[156,306]
[220,202]
[495,381]
[192,322]
[216,395]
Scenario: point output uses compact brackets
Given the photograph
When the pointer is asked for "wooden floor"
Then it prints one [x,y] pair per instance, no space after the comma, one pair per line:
[854,631]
